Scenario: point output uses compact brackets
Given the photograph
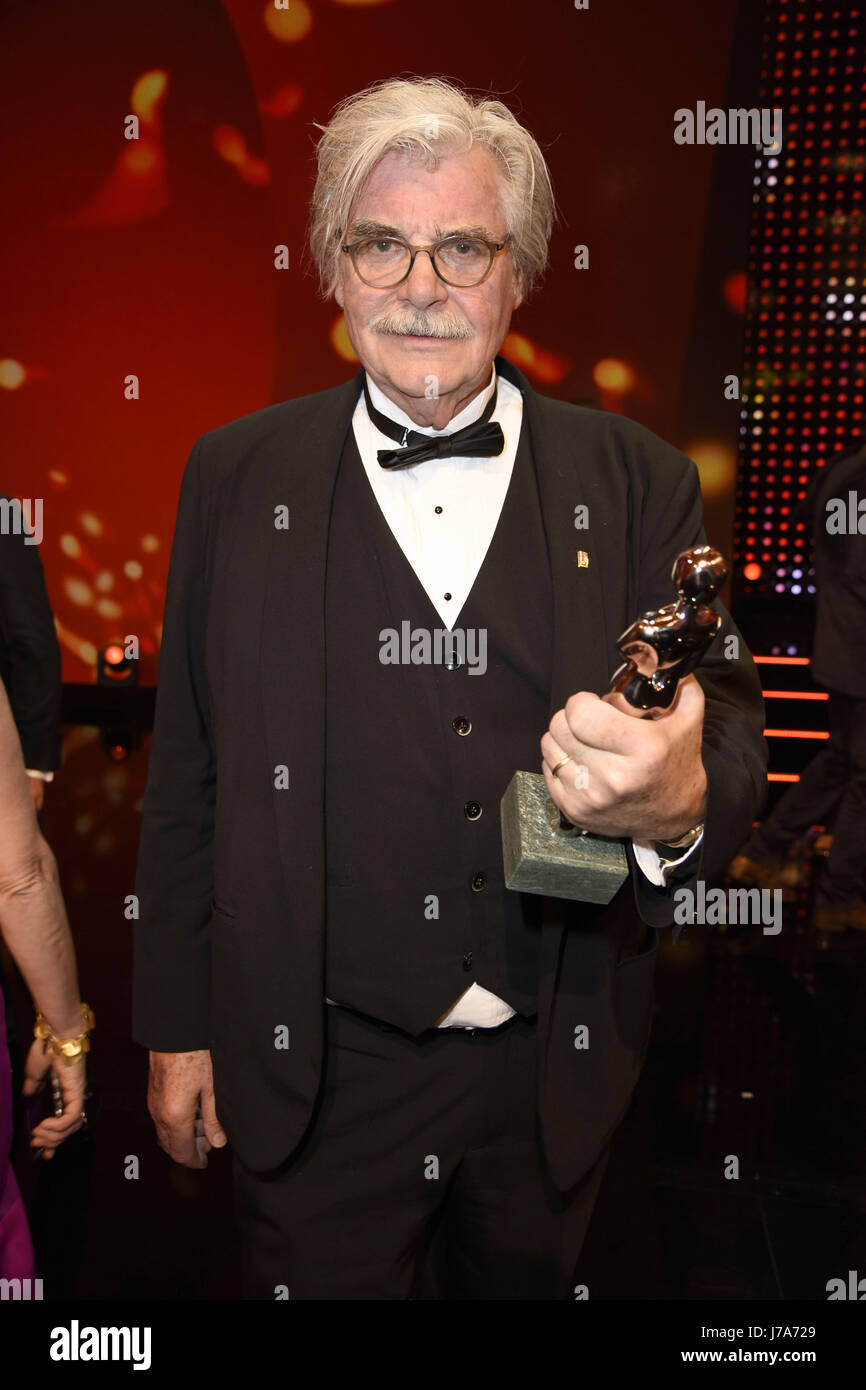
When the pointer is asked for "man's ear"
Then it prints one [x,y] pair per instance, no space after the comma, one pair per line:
[518,288]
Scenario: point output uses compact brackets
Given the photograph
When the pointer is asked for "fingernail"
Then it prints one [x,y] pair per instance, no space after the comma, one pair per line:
[219,1139]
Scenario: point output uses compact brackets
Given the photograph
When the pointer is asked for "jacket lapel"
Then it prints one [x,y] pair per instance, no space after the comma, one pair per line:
[581,642]
[302,475]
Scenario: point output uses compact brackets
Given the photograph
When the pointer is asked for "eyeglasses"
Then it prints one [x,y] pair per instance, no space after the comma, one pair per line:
[460,261]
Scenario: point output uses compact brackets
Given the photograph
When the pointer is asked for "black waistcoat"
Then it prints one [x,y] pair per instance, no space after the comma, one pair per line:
[417,908]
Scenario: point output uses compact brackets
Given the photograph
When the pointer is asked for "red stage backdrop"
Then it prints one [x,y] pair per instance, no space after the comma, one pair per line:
[154,258]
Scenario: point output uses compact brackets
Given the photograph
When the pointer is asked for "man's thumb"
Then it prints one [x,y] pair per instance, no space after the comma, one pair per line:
[213,1130]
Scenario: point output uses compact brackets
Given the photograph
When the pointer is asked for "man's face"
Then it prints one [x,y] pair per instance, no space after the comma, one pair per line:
[422,205]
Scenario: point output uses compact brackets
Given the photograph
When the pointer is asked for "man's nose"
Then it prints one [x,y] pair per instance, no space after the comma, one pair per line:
[422,285]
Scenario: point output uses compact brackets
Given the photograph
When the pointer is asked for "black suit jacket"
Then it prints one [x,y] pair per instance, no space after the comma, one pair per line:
[29,653]
[839,648]
[231,872]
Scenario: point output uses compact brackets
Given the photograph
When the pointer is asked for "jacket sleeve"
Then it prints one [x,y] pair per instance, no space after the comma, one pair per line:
[734,751]
[174,878]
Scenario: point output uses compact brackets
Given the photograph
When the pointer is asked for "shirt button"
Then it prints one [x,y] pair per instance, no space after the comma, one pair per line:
[479,882]
[447,596]
[472,810]
[467,961]
[438,511]
[461,725]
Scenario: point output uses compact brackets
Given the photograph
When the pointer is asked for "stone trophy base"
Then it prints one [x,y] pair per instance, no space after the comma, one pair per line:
[542,857]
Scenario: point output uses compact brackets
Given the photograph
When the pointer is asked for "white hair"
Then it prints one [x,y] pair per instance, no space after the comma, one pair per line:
[425,118]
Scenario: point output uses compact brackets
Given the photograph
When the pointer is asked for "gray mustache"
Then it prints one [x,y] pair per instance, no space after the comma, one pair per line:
[415,321]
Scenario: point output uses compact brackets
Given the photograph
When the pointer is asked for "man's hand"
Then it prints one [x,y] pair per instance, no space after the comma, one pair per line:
[37,792]
[180,1085]
[629,777]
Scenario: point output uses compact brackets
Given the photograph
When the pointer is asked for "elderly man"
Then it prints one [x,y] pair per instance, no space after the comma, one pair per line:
[331,973]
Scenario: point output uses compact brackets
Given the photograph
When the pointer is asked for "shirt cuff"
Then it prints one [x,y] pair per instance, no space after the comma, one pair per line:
[653,866]
[43,776]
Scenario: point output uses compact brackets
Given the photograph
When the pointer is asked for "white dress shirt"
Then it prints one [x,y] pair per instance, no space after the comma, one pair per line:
[446,549]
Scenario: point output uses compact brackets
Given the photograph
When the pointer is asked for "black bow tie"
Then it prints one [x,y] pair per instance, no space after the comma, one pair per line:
[481,439]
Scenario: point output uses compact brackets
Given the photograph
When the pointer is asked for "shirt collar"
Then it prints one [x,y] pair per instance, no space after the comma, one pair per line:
[467,416]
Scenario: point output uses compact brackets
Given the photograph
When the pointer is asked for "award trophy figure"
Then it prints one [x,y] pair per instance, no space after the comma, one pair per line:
[542,851]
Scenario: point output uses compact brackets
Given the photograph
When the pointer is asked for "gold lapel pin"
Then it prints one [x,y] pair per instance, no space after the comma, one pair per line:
[582,560]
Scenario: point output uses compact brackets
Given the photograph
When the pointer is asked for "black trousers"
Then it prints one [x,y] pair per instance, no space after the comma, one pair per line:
[836,777]
[421,1177]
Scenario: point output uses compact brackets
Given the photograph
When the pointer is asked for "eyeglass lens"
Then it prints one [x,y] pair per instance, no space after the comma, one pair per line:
[383,261]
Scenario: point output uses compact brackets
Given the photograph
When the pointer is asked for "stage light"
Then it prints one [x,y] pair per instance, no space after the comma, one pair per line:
[537,361]
[12,374]
[283,102]
[288,25]
[806,270]
[119,744]
[231,146]
[612,375]
[114,667]
[148,93]
[340,340]
[716,465]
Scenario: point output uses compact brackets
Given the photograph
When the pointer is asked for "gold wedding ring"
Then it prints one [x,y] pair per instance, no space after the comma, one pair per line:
[554,771]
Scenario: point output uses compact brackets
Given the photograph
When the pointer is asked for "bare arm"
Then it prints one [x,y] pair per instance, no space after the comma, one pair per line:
[35,928]
[32,915]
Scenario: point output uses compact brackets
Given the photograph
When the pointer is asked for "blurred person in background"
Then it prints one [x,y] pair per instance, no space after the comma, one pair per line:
[35,929]
[29,651]
[836,776]
[31,671]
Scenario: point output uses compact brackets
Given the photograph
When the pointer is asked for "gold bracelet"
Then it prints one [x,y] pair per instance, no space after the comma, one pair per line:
[70,1049]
